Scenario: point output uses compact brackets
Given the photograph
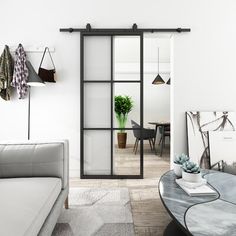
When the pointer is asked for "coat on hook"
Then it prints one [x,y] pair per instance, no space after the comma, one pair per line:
[20,74]
[6,72]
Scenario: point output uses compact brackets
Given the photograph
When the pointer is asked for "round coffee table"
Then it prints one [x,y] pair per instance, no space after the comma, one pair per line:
[205,215]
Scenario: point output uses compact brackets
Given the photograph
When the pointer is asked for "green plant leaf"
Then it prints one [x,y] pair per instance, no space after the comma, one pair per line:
[123,105]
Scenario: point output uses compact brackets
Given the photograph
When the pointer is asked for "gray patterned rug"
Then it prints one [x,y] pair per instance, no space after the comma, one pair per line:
[96,211]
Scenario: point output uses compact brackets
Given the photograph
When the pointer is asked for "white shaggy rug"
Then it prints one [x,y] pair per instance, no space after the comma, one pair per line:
[96,211]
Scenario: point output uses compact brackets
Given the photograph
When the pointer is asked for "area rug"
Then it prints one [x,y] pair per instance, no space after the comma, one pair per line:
[96,211]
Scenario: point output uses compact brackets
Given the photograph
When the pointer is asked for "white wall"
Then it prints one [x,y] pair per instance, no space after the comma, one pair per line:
[203,69]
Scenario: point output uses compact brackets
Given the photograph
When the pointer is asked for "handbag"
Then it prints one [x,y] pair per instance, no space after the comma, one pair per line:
[45,74]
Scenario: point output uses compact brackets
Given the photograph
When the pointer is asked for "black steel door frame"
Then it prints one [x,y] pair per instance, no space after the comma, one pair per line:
[112,82]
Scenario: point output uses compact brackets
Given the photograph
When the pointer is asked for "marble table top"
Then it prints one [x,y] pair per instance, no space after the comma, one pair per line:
[205,215]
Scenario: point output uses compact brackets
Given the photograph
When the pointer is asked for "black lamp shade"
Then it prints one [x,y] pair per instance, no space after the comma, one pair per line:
[158,80]
[33,78]
[168,82]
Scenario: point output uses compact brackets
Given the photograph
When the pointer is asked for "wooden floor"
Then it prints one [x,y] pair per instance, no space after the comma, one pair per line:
[149,215]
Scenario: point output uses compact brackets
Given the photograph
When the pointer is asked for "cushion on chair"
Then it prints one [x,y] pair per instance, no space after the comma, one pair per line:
[25,204]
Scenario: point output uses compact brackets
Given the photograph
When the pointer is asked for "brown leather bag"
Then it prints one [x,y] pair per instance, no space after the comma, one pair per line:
[45,74]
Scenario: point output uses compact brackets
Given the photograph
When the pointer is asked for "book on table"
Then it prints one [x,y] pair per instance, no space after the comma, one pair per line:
[196,189]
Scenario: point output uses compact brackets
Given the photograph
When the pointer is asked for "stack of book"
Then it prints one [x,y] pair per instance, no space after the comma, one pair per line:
[200,188]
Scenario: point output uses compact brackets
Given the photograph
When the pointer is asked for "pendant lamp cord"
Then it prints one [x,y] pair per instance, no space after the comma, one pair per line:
[158,60]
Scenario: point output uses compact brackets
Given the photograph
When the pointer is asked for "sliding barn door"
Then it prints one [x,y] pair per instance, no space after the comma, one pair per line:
[104,74]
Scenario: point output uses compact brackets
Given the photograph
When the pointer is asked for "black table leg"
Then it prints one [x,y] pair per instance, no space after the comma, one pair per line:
[173,229]
[154,144]
[163,140]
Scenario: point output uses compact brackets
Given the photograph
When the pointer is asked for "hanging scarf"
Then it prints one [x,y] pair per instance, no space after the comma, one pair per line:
[20,75]
[6,72]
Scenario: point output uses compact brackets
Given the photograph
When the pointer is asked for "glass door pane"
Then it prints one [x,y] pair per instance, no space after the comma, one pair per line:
[97,152]
[97,58]
[127,82]
[97,105]
[127,57]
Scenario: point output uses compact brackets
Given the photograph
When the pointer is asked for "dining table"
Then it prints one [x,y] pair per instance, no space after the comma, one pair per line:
[163,125]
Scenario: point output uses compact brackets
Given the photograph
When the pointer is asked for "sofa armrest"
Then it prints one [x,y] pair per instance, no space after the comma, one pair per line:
[35,159]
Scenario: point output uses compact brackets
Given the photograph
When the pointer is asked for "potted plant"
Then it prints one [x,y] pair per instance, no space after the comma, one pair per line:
[123,105]
[178,162]
[191,172]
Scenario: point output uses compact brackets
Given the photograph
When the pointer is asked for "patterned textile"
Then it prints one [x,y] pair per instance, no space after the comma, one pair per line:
[6,72]
[20,75]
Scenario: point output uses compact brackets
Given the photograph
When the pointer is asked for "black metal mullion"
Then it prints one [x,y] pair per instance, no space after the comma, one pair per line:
[111,177]
[112,81]
[81,105]
[112,105]
[141,104]
[100,128]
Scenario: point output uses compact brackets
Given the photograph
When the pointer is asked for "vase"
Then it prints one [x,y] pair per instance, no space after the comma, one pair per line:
[177,169]
[122,137]
[191,177]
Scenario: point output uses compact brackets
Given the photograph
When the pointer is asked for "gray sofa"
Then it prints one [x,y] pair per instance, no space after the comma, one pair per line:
[33,186]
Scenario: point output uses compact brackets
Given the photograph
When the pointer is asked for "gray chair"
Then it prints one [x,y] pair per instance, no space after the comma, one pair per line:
[165,132]
[148,134]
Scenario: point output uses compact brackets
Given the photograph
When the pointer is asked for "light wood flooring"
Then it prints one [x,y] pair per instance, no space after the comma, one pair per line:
[149,215]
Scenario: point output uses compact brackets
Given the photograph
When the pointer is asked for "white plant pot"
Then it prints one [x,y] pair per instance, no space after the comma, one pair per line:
[191,177]
[177,169]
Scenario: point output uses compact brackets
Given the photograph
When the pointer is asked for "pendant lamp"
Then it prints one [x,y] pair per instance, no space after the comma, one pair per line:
[168,82]
[158,79]
[33,79]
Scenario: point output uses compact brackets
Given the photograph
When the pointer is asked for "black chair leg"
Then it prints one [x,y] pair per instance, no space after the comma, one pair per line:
[160,140]
[136,147]
[135,144]
[162,144]
[154,148]
[150,144]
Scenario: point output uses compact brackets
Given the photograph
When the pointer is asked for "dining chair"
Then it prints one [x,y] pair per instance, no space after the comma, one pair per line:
[165,132]
[148,134]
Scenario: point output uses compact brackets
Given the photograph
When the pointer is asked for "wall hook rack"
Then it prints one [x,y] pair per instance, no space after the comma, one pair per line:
[29,49]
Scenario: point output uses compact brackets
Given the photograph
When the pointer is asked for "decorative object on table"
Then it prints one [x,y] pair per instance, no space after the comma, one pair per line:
[158,79]
[45,74]
[6,73]
[191,172]
[188,184]
[33,81]
[123,105]
[222,148]
[178,162]
[148,134]
[198,124]
[20,74]
[168,82]
[202,190]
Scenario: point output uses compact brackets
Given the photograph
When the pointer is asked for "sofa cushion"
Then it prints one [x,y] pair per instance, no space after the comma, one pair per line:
[25,204]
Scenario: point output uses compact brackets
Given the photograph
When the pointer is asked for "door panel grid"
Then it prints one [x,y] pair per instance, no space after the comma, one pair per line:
[97,104]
